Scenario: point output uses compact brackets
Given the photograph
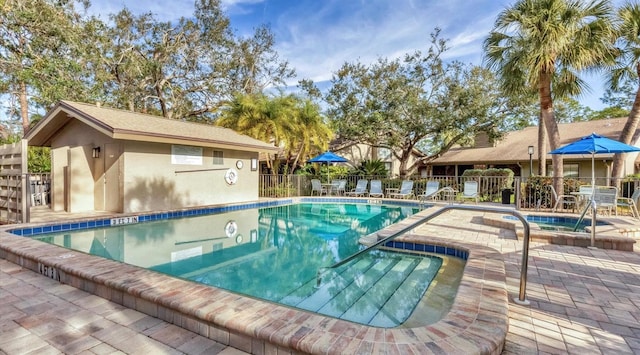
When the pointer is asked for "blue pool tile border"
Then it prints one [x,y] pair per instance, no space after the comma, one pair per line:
[63,227]
[437,249]
[557,219]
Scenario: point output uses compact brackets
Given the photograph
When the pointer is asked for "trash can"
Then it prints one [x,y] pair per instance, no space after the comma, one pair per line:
[506,196]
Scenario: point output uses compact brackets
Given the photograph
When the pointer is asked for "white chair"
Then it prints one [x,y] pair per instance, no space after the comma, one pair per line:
[606,198]
[470,191]
[376,189]
[406,190]
[562,200]
[631,202]
[431,193]
[316,187]
[586,189]
[341,187]
[360,189]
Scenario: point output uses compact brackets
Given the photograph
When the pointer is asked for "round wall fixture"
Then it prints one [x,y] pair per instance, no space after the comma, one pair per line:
[231,176]
[231,229]
[239,164]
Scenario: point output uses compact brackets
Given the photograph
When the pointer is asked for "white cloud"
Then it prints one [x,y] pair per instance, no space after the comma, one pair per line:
[318,36]
[317,44]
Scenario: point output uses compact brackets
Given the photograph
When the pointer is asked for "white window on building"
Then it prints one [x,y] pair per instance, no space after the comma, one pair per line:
[218,157]
[384,154]
[571,170]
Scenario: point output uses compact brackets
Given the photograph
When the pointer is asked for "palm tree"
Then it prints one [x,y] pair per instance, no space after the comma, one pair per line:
[629,39]
[544,44]
[285,120]
[313,134]
[260,117]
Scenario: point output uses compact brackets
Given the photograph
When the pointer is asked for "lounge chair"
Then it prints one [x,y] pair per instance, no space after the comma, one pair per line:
[431,193]
[406,190]
[562,200]
[376,189]
[360,189]
[631,202]
[470,191]
[316,187]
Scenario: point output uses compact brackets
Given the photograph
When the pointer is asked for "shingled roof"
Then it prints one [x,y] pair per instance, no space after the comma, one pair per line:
[128,125]
[513,147]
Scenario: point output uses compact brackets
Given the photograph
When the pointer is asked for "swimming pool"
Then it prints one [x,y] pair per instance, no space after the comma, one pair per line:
[476,322]
[274,253]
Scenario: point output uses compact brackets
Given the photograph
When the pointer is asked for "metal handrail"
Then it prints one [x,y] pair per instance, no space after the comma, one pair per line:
[584,212]
[522,298]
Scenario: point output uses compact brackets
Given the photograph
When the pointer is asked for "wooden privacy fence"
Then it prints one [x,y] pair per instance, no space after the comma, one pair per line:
[13,190]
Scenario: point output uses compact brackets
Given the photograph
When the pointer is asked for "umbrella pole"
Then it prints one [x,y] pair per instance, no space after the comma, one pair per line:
[594,208]
[593,224]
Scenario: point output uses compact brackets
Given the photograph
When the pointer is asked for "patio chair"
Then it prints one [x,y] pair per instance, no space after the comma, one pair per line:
[360,189]
[562,200]
[376,189]
[606,198]
[631,202]
[585,189]
[332,188]
[470,191]
[341,187]
[406,190]
[431,193]
[316,187]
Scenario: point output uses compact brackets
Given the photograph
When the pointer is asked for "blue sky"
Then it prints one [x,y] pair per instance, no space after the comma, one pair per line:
[318,36]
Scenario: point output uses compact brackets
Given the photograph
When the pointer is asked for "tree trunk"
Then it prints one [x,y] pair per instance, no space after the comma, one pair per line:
[24,108]
[404,161]
[542,147]
[627,133]
[548,116]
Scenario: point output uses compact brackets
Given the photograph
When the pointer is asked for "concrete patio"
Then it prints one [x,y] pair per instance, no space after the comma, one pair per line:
[583,301]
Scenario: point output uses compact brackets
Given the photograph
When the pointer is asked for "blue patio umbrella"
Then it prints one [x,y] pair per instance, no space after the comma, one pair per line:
[594,144]
[328,157]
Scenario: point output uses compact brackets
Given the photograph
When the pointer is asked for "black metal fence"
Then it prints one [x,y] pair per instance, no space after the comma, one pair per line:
[525,193]
[536,193]
[490,188]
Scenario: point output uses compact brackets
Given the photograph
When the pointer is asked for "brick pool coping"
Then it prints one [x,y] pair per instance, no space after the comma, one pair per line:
[618,234]
[476,324]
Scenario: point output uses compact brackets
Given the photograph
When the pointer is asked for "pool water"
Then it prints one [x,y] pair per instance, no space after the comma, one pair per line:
[561,224]
[274,253]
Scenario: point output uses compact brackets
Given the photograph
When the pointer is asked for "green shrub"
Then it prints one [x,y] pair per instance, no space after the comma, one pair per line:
[373,167]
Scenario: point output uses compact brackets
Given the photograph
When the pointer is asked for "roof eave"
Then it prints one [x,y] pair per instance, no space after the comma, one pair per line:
[39,136]
[169,139]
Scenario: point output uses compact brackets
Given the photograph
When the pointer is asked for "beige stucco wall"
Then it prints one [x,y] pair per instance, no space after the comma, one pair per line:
[152,182]
[75,172]
[139,176]
[602,167]
[358,152]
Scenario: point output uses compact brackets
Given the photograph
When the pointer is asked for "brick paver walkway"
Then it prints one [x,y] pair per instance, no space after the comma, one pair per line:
[583,301]
[41,316]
